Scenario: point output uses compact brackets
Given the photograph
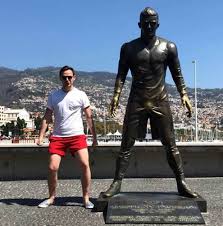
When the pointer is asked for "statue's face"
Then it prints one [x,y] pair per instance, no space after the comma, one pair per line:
[149,25]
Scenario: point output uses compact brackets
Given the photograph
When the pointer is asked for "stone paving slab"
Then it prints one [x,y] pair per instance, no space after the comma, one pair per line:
[19,200]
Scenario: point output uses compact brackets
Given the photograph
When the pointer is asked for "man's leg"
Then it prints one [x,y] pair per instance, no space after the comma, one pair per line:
[83,159]
[166,130]
[56,150]
[54,163]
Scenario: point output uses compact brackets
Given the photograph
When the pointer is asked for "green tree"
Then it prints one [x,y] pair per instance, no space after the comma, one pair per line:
[111,126]
[20,125]
[38,122]
[99,127]
[8,128]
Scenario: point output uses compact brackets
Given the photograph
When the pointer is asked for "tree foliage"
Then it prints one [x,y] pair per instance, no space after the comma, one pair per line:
[109,126]
[20,125]
[8,128]
[14,129]
[37,122]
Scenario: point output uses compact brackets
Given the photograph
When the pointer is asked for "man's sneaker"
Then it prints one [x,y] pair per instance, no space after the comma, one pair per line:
[89,205]
[45,203]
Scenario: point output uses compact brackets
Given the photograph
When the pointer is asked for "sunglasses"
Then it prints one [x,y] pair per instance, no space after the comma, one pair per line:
[67,77]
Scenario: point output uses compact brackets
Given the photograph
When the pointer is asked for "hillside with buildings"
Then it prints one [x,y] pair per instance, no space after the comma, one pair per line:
[29,89]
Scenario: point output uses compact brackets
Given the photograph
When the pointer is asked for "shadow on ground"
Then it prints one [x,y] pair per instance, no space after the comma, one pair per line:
[59,201]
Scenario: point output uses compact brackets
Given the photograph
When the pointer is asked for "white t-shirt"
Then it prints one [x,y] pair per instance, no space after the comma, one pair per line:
[68,109]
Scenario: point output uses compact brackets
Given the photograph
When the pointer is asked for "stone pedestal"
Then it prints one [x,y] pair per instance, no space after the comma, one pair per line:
[152,207]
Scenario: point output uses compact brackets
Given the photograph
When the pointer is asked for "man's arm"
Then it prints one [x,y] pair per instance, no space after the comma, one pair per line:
[123,68]
[90,123]
[45,122]
[175,69]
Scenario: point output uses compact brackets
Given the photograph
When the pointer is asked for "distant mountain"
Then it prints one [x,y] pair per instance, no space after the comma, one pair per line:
[7,77]
[30,88]
[7,71]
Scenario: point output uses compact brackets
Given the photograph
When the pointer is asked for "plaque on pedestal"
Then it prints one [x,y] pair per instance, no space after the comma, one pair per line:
[152,208]
[102,202]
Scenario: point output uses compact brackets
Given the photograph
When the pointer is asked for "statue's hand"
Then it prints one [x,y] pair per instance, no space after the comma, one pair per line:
[186,103]
[113,107]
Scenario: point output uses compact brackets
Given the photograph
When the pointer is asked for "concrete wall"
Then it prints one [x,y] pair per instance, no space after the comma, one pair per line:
[18,161]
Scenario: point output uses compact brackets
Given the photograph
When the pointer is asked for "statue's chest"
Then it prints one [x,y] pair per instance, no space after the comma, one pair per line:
[155,55]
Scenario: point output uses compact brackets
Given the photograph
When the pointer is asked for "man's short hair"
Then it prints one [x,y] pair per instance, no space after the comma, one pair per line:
[65,68]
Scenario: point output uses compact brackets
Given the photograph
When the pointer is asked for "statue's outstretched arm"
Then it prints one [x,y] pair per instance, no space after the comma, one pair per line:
[175,69]
[123,68]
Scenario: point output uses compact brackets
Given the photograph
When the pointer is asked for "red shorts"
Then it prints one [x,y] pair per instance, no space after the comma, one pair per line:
[59,145]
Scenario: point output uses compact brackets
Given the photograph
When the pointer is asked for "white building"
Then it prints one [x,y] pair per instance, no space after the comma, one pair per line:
[9,114]
[2,115]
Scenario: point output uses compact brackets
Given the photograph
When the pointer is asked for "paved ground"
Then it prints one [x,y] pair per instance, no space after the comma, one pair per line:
[18,200]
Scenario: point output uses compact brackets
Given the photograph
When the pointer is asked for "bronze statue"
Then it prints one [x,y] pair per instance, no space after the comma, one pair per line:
[148,57]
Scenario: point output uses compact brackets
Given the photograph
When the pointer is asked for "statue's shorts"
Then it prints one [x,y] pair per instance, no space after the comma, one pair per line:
[159,113]
[59,145]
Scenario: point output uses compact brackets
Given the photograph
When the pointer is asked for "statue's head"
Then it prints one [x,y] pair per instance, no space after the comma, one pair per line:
[149,22]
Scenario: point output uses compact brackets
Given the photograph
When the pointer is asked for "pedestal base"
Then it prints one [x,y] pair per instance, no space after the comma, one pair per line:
[152,207]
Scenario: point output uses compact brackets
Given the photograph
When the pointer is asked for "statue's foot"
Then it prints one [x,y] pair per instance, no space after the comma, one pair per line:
[185,191]
[114,189]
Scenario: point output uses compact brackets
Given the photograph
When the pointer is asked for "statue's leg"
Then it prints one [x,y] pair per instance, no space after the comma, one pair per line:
[173,154]
[129,133]
[122,164]
[175,162]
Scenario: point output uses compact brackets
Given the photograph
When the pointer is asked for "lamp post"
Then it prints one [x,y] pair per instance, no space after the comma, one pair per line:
[195,98]
[105,131]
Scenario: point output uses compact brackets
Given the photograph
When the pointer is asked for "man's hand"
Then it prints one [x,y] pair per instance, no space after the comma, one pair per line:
[94,143]
[45,122]
[39,141]
[113,107]
[186,103]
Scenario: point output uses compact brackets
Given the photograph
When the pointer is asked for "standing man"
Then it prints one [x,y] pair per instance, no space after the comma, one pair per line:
[148,57]
[67,104]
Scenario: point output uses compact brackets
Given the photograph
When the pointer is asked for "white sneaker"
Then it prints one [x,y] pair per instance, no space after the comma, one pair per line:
[45,204]
[89,205]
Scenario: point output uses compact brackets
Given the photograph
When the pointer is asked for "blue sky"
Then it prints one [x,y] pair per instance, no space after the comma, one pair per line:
[87,34]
